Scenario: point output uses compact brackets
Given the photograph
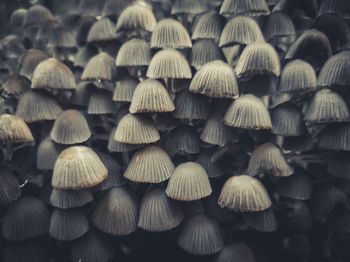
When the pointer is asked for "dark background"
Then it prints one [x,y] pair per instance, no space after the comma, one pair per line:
[8,6]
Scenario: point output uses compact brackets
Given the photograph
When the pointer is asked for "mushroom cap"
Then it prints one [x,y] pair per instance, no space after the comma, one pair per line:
[189,182]
[170,33]
[135,52]
[150,165]
[70,128]
[244,194]
[14,130]
[215,79]
[78,167]
[200,235]
[116,213]
[159,213]
[169,63]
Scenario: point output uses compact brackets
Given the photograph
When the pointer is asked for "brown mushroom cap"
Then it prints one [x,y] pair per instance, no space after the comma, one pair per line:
[14,130]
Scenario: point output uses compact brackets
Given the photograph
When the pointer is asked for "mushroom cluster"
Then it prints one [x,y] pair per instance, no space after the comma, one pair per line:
[176,130]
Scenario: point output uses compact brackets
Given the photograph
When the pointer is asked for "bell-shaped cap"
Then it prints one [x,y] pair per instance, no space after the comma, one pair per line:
[169,63]
[205,51]
[248,112]
[278,25]
[189,182]
[258,59]
[37,15]
[29,61]
[101,102]
[35,106]
[208,26]
[191,106]
[297,75]
[92,247]
[150,165]
[78,167]
[136,129]
[68,224]
[235,252]
[159,213]
[47,154]
[287,120]
[298,186]
[241,30]
[14,130]
[136,17]
[116,213]
[135,52]
[242,7]
[200,235]
[102,31]
[304,48]
[124,89]
[100,67]
[170,33]
[182,140]
[326,106]
[15,85]
[335,72]
[53,74]
[64,199]
[10,189]
[335,137]
[151,96]
[244,194]
[27,211]
[268,159]
[190,7]
[70,128]
[215,79]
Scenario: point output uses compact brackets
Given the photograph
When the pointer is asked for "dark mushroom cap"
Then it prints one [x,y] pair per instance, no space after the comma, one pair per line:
[193,7]
[16,85]
[208,26]
[9,190]
[236,252]
[37,15]
[34,106]
[47,154]
[159,213]
[242,7]
[200,235]
[203,52]
[116,213]
[70,198]
[241,30]
[68,224]
[27,218]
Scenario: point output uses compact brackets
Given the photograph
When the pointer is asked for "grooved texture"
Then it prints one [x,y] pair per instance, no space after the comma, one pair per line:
[135,52]
[34,106]
[169,63]
[248,112]
[159,213]
[70,198]
[70,128]
[116,213]
[241,30]
[14,130]
[244,194]
[151,96]
[268,159]
[78,167]
[200,236]
[170,33]
[215,79]
[189,182]
[150,165]
[99,67]
[136,129]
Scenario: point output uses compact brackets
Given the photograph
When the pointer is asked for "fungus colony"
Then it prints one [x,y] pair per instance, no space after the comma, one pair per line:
[176,130]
